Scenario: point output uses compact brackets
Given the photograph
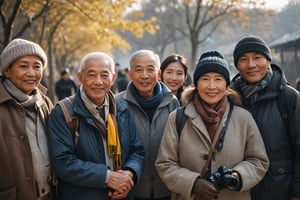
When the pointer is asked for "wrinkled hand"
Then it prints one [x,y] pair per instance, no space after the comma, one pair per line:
[203,189]
[120,182]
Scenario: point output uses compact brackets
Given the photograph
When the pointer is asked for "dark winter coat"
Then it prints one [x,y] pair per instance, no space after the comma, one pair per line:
[282,143]
[64,88]
[82,168]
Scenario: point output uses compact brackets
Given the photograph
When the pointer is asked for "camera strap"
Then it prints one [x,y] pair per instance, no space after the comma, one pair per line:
[217,141]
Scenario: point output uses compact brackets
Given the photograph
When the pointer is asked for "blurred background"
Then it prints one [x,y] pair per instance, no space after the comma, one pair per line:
[68,29]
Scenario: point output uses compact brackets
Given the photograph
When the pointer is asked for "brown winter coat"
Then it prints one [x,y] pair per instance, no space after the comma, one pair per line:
[16,168]
[180,160]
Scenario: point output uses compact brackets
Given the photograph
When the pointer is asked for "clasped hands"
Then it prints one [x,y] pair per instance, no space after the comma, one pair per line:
[120,183]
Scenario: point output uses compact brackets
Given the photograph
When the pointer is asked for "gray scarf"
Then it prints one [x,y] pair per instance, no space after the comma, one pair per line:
[22,98]
[92,108]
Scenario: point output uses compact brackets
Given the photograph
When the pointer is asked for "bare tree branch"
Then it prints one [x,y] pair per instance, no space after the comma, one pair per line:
[44,10]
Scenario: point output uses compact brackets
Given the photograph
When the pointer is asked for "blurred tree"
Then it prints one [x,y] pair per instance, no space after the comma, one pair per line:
[69,29]
[287,20]
[165,36]
[16,18]
[190,23]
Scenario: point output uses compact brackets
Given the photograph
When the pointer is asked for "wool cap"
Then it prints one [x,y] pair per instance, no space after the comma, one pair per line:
[211,61]
[18,48]
[251,43]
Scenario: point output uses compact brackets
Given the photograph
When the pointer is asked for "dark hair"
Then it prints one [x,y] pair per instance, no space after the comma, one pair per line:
[64,71]
[178,59]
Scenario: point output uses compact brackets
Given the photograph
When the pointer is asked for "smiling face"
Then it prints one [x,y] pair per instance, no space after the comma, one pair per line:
[25,73]
[96,79]
[253,66]
[174,76]
[144,74]
[211,87]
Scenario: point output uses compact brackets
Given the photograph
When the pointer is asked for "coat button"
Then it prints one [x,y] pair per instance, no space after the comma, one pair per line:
[22,137]
[281,170]
[28,178]
[205,157]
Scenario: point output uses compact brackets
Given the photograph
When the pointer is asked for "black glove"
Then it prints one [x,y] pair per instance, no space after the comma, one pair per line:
[204,189]
[239,180]
[225,178]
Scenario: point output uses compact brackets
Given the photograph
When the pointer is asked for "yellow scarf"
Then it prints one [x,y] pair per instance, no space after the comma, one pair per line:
[113,142]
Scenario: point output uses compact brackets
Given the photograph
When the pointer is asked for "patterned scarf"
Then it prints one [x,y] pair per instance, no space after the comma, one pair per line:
[250,92]
[111,130]
[211,116]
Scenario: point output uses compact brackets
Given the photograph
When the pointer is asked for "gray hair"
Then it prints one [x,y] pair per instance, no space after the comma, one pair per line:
[99,55]
[145,52]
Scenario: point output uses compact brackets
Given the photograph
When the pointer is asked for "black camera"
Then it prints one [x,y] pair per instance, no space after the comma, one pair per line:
[223,179]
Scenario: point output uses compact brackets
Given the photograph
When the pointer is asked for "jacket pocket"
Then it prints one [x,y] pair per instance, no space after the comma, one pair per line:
[278,180]
[10,194]
[278,168]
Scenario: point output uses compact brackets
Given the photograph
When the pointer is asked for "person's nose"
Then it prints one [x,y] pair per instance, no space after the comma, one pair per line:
[211,84]
[252,62]
[30,71]
[99,80]
[145,74]
[174,76]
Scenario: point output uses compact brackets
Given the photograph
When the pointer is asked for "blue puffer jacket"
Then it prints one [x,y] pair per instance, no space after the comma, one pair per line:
[81,168]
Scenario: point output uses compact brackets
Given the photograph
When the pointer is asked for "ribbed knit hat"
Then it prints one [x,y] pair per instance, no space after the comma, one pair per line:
[18,48]
[211,61]
[251,43]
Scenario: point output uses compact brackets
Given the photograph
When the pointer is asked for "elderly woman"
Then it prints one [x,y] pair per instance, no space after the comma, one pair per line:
[219,153]
[24,169]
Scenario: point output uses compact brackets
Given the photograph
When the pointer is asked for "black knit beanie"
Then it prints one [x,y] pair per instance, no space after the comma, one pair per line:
[211,61]
[251,43]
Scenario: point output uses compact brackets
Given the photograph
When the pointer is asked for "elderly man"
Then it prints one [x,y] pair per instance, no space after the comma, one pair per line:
[103,159]
[151,102]
[275,107]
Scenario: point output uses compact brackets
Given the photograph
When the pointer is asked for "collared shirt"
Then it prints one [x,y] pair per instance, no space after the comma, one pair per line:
[94,109]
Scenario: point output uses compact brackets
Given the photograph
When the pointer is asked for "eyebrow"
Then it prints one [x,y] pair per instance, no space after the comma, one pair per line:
[146,66]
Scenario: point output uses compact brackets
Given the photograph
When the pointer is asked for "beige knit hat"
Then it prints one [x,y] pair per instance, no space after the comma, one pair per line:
[18,48]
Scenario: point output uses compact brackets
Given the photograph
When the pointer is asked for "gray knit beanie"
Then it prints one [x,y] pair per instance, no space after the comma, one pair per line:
[18,48]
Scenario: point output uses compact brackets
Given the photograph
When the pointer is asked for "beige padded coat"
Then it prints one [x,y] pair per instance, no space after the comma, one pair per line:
[180,160]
